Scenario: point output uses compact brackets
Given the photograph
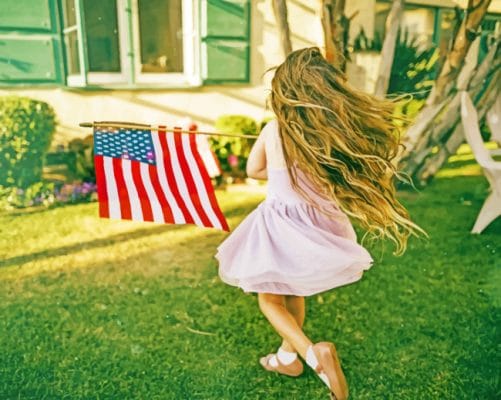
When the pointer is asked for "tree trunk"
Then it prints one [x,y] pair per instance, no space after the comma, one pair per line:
[433,164]
[280,11]
[388,52]
[467,32]
[448,116]
[418,133]
[341,33]
[444,131]
[417,137]
[336,26]
[328,27]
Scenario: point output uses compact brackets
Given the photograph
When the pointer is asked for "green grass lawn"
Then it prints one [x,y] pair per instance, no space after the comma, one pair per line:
[98,309]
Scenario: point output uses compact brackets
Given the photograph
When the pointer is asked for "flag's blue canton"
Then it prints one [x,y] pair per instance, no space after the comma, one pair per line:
[129,144]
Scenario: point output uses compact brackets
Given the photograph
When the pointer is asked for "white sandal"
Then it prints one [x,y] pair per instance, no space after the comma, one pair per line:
[295,368]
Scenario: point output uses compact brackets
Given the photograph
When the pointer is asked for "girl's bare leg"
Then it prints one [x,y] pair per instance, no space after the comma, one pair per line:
[273,306]
[296,306]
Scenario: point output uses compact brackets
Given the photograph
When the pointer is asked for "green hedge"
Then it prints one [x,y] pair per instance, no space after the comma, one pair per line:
[83,149]
[26,130]
[233,152]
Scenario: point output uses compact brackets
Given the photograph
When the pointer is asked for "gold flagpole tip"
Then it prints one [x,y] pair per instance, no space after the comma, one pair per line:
[86,124]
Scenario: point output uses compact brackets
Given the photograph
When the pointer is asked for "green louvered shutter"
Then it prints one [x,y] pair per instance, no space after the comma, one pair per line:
[30,43]
[225,41]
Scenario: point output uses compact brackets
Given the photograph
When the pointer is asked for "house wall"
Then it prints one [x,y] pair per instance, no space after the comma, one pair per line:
[206,103]
[203,104]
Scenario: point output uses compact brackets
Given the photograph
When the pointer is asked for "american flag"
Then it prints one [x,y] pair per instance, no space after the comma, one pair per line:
[208,156]
[160,177]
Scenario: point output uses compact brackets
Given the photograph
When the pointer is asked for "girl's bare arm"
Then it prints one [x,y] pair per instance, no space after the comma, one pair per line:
[256,163]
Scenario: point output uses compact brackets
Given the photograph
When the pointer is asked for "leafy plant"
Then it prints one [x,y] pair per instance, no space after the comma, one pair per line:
[76,192]
[233,152]
[26,130]
[414,68]
[39,193]
[46,194]
[363,43]
[84,158]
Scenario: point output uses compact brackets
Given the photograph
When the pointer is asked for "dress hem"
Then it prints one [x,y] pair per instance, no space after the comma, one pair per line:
[249,290]
[254,287]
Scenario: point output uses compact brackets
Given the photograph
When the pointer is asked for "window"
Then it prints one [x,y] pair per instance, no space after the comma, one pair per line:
[157,46]
[165,37]
[101,29]
[70,33]
[160,36]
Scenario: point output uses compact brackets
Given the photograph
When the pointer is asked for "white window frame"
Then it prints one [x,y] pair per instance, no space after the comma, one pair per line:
[85,76]
[191,54]
[76,80]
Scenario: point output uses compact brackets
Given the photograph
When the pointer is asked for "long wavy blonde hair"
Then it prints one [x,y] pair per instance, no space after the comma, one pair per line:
[344,140]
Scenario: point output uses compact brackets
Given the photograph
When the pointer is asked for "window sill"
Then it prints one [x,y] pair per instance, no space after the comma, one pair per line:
[139,86]
[28,85]
[124,86]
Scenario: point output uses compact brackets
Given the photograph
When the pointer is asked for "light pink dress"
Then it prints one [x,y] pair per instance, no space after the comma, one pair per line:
[286,245]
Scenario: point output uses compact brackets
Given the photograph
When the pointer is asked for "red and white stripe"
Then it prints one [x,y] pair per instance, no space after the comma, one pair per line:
[208,157]
[176,190]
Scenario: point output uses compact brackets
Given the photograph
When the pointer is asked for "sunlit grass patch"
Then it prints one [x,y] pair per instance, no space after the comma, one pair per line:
[463,163]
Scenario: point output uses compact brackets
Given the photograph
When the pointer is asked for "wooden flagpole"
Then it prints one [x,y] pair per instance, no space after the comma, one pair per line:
[131,125]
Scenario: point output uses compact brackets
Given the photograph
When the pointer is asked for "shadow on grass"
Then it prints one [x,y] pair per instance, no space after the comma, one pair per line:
[112,239]
[92,244]
[21,212]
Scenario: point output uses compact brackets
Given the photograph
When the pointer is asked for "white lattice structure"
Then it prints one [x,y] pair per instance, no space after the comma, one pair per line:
[494,123]
[491,208]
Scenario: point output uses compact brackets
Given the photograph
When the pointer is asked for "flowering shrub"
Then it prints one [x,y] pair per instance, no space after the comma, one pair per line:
[76,192]
[26,130]
[232,152]
[46,194]
[40,193]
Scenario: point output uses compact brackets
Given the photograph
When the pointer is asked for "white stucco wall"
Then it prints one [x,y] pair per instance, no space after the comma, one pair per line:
[364,18]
